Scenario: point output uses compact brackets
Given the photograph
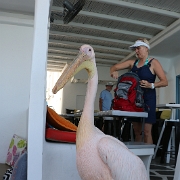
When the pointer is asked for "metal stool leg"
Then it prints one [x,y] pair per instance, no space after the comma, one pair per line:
[173,141]
[171,145]
[169,149]
[159,140]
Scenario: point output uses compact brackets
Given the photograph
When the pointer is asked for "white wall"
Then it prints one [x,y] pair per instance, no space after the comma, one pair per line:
[168,66]
[15,68]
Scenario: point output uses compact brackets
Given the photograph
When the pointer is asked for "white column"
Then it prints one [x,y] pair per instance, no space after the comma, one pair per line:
[177,172]
[37,108]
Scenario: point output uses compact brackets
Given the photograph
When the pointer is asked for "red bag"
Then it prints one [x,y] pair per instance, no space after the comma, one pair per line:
[128,94]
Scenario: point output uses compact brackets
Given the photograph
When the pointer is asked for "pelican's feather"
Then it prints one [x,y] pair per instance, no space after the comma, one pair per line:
[122,163]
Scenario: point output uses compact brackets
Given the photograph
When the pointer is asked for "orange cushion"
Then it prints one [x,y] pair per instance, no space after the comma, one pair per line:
[60,136]
[59,122]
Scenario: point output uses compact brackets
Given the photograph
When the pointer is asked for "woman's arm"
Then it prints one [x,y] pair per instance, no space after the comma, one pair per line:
[158,70]
[124,65]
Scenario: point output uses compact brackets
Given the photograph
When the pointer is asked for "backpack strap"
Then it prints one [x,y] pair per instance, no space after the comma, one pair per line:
[149,63]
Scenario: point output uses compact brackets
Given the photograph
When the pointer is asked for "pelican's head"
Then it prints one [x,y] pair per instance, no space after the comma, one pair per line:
[84,60]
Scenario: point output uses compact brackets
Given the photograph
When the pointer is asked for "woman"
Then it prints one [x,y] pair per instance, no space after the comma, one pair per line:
[147,68]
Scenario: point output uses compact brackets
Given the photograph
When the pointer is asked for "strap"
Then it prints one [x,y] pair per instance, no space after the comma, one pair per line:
[135,62]
[149,63]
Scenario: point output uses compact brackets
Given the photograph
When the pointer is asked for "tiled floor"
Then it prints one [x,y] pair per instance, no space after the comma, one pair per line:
[163,171]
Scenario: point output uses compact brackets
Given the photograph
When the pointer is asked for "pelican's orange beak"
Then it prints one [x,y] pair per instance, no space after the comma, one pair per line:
[82,61]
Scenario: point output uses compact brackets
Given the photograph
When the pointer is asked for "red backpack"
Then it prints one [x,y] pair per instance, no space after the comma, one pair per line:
[128,94]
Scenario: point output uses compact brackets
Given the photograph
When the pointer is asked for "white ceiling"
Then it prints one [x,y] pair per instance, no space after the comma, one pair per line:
[110,27]
[20,6]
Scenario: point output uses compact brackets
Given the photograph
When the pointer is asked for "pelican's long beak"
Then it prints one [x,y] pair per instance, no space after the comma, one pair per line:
[82,61]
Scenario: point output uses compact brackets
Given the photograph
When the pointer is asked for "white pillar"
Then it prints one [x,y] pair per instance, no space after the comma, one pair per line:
[177,172]
[37,108]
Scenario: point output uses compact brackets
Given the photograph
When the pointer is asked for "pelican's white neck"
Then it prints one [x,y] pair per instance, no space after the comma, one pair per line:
[88,110]
[86,124]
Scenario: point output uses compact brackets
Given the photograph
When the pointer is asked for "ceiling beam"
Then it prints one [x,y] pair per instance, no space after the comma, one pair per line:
[71,58]
[49,68]
[53,69]
[98,60]
[61,56]
[101,28]
[63,63]
[63,50]
[78,45]
[89,37]
[141,7]
[57,60]
[109,56]
[49,63]
[112,18]
[169,31]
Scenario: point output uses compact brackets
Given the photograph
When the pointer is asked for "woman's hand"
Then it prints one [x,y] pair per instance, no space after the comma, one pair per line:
[145,84]
[115,75]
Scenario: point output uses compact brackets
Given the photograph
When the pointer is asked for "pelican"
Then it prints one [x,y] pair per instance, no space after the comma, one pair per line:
[98,156]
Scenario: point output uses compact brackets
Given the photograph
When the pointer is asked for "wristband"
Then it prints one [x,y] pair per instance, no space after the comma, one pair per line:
[152,86]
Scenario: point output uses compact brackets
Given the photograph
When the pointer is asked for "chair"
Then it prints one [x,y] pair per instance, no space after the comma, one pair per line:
[167,135]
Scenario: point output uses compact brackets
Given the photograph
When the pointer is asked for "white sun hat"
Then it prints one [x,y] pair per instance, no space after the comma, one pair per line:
[139,43]
[109,84]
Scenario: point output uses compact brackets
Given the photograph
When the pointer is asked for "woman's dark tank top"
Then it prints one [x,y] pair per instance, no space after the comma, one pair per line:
[144,73]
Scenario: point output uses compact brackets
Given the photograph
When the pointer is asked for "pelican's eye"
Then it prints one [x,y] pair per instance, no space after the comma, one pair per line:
[89,49]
